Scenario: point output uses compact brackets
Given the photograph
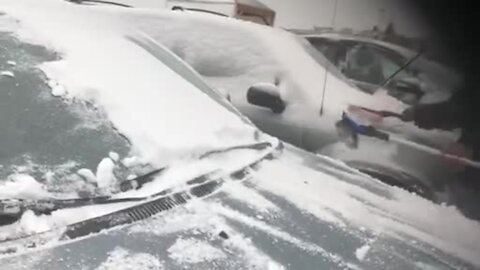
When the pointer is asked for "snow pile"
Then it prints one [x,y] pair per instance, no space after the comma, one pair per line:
[192,251]
[104,176]
[87,175]
[122,259]
[30,223]
[7,73]
[362,251]
[22,186]
[114,156]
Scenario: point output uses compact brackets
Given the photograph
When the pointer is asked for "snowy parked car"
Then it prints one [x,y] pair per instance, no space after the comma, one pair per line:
[183,180]
[289,90]
[369,63]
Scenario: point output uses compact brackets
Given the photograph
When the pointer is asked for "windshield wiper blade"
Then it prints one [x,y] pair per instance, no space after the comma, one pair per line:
[12,209]
[100,2]
[255,146]
[400,69]
[140,181]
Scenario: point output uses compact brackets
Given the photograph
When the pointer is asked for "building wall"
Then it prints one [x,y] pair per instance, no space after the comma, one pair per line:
[355,14]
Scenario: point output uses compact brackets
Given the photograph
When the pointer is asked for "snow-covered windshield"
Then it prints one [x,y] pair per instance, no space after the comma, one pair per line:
[75,111]
[44,136]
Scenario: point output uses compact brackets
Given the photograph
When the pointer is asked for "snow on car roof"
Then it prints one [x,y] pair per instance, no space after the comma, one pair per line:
[240,54]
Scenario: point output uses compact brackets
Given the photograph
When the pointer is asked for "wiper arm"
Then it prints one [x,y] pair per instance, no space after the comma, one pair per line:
[100,2]
[146,178]
[407,64]
[12,209]
[255,146]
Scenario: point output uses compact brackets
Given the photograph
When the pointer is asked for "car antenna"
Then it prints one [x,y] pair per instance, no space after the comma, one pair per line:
[325,78]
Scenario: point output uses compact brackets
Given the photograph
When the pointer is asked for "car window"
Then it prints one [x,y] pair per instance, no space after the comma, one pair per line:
[42,135]
[323,61]
[326,47]
[372,65]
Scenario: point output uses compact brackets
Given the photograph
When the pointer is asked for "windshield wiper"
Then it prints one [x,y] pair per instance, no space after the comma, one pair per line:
[99,2]
[12,209]
[400,69]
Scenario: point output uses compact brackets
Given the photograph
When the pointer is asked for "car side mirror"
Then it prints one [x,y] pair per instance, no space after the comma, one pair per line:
[266,95]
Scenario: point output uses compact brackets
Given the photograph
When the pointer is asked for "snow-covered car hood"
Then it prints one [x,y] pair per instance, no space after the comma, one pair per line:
[298,211]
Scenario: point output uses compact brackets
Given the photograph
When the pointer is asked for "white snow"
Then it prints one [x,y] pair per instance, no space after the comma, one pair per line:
[162,118]
[7,73]
[404,215]
[280,234]
[31,223]
[191,250]
[57,89]
[131,161]
[255,258]
[123,259]
[114,156]
[251,197]
[168,121]
[88,175]
[178,173]
[362,251]
[243,54]
[104,175]
[22,186]
[203,219]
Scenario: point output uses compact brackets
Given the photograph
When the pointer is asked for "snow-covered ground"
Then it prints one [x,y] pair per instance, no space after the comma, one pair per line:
[169,121]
